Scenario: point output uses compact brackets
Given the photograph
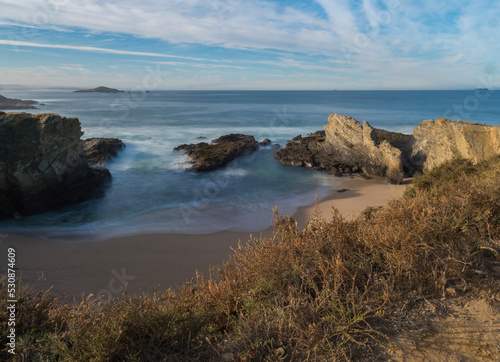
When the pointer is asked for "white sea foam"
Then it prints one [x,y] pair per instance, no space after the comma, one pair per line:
[239,172]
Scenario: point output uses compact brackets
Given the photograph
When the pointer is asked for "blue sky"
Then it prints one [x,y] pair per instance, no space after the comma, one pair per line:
[250,44]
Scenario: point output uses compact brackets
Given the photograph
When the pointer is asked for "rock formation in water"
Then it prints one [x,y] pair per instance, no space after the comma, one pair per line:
[190,147]
[97,151]
[12,103]
[383,153]
[313,152]
[100,89]
[41,166]
[224,149]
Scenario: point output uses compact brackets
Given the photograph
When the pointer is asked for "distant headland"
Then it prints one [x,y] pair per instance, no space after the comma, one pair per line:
[12,103]
[100,89]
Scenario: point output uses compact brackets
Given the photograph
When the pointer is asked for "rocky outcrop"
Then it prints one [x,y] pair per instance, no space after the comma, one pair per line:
[100,89]
[382,153]
[41,166]
[98,151]
[440,140]
[12,103]
[313,152]
[374,151]
[224,149]
[188,148]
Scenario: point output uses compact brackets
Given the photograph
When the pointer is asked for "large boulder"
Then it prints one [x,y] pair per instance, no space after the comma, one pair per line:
[41,166]
[97,151]
[440,140]
[205,157]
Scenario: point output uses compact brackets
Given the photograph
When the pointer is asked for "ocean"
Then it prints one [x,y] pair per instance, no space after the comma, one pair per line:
[153,192]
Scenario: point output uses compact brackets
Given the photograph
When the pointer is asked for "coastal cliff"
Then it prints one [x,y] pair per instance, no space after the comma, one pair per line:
[383,153]
[440,140]
[374,151]
[41,166]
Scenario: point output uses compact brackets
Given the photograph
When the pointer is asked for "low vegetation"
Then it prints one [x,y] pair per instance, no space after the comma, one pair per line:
[322,293]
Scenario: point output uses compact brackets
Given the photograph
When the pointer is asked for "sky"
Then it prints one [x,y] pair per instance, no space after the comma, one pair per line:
[250,44]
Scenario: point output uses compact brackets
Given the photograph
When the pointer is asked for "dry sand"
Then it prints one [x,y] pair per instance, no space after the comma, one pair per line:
[453,329]
[352,197]
[160,261]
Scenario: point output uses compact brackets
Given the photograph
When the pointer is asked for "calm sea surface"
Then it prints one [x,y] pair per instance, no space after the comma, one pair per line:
[151,189]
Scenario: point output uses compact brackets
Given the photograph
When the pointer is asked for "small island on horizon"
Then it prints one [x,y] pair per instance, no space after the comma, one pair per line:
[100,89]
[12,103]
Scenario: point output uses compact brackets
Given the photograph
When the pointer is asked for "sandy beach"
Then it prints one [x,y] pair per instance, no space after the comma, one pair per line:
[352,197]
[158,261]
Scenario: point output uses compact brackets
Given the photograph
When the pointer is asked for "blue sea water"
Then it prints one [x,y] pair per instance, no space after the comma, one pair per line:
[152,190]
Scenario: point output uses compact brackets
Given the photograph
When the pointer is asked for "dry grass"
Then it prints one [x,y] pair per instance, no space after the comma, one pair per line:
[316,294]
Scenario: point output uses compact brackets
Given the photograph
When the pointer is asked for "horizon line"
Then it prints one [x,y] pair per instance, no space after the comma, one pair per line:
[33,87]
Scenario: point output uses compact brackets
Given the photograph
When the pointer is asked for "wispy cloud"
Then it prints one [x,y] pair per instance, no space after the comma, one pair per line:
[16,43]
[201,65]
[391,40]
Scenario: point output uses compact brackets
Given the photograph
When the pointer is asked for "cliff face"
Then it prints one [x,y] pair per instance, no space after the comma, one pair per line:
[375,151]
[441,140]
[40,164]
[384,153]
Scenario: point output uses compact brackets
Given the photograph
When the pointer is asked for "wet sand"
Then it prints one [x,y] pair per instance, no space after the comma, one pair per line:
[159,261]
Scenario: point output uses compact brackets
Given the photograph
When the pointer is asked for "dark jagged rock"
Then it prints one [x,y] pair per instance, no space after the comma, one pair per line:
[41,166]
[265,142]
[12,103]
[190,147]
[311,151]
[100,89]
[97,151]
[224,149]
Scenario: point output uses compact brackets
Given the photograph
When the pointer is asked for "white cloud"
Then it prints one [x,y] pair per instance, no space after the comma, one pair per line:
[234,24]
[257,25]
[406,41]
